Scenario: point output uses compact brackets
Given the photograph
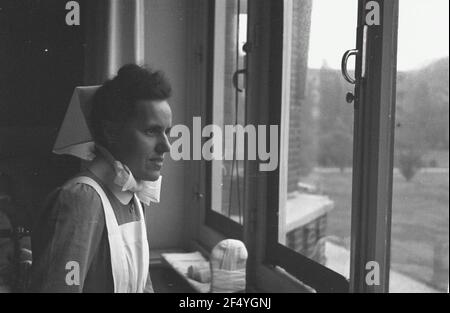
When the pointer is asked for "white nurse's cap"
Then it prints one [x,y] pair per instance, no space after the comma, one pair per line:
[75,137]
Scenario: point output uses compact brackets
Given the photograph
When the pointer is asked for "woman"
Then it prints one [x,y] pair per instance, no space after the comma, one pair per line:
[92,236]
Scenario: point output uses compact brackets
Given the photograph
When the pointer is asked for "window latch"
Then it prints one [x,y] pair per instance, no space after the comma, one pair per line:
[236,78]
[344,62]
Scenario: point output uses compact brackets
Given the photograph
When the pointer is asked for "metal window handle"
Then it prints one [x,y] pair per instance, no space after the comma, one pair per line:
[235,79]
[344,71]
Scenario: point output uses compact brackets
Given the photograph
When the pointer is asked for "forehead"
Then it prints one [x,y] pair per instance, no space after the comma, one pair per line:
[151,112]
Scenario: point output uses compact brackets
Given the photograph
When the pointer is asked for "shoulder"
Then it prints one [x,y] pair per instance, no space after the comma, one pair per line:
[79,200]
[82,193]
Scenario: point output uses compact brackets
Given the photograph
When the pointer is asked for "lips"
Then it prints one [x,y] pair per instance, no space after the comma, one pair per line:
[157,162]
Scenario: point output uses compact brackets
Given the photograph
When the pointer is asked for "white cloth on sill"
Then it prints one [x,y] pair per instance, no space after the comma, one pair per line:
[228,266]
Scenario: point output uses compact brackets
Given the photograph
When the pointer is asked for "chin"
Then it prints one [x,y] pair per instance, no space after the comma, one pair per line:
[152,176]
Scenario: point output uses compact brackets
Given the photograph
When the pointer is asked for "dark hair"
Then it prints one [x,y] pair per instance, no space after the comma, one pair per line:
[115,100]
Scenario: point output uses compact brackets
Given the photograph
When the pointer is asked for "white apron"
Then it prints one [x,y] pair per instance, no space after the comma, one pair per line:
[130,256]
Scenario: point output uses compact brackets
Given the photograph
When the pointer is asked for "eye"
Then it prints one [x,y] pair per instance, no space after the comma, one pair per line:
[151,131]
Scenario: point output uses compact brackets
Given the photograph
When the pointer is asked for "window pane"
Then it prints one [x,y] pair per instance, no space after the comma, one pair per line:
[420,216]
[230,34]
[317,132]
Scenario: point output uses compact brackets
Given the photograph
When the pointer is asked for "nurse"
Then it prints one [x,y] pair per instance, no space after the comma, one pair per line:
[92,235]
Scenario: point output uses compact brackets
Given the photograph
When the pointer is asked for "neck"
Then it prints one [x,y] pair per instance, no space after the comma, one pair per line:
[105,172]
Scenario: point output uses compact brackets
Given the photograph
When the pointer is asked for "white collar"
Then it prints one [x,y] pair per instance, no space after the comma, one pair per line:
[121,181]
[105,172]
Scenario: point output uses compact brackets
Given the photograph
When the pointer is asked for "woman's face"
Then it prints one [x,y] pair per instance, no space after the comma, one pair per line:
[143,141]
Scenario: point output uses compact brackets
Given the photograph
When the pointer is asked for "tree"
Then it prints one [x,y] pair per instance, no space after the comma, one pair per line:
[410,162]
[336,150]
[335,121]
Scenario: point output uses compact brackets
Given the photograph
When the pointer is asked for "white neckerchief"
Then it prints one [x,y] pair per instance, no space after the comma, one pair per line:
[146,191]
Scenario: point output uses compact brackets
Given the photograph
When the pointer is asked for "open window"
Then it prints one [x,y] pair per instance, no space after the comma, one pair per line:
[324,215]
[329,202]
[311,223]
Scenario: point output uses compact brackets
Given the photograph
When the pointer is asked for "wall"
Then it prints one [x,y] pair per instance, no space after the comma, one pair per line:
[41,59]
[25,147]
[165,49]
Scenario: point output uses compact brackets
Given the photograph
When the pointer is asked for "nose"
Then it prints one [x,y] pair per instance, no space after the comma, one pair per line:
[163,145]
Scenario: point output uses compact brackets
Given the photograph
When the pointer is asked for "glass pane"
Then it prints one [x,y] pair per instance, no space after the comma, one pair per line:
[230,34]
[420,227]
[317,132]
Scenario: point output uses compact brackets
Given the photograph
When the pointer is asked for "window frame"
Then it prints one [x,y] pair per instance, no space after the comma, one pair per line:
[374,150]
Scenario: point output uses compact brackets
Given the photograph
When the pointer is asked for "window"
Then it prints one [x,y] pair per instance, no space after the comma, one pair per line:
[316,181]
[329,213]
[420,221]
[344,180]
[228,107]
[309,221]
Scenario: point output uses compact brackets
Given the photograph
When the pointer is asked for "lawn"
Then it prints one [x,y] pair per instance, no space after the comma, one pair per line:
[420,221]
